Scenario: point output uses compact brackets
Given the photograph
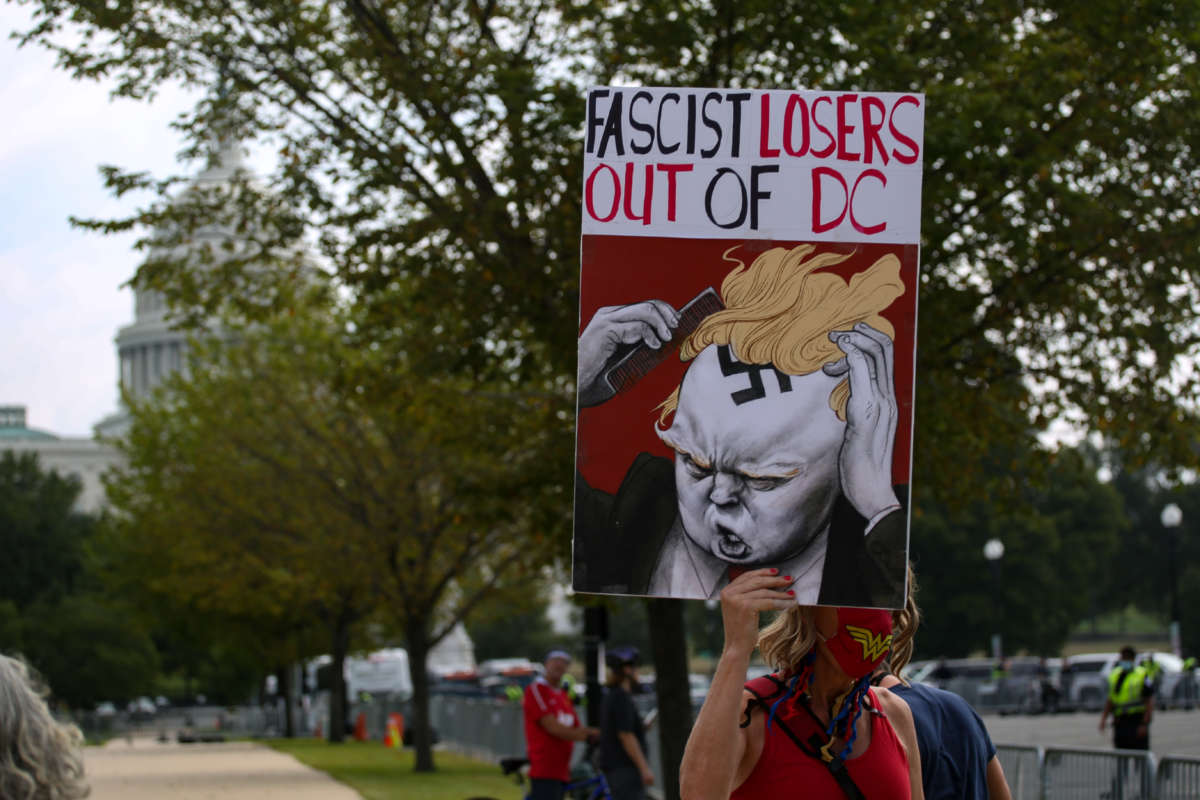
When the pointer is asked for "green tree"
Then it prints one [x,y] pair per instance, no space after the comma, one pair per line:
[1155,567]
[89,649]
[292,475]
[42,535]
[519,629]
[1059,537]
[86,644]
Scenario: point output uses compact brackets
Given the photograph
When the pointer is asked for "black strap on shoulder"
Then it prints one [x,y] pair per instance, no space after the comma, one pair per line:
[761,700]
[816,747]
[836,767]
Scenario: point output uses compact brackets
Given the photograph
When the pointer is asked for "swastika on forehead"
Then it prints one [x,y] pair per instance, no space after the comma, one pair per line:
[756,390]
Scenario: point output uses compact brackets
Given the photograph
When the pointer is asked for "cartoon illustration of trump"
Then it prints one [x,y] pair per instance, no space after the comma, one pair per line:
[782,432]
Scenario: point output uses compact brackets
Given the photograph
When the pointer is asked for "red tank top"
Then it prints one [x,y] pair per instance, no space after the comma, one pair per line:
[881,773]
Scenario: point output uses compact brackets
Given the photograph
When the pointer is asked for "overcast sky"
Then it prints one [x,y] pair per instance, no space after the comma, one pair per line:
[61,300]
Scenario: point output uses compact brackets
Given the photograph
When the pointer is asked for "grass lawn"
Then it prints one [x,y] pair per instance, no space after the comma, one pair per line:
[378,773]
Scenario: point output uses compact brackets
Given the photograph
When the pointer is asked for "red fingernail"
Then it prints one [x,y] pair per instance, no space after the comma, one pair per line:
[774,571]
[787,577]
[791,592]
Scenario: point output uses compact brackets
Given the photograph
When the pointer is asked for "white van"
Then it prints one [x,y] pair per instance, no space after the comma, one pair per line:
[381,673]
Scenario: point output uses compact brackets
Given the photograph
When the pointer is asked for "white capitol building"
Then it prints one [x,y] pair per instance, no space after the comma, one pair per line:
[148,350]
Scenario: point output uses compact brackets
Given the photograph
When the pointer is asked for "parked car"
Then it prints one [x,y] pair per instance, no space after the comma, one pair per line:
[142,708]
[1085,679]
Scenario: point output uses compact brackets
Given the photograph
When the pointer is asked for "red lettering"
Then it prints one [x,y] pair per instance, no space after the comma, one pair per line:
[867,173]
[672,170]
[817,174]
[844,128]
[647,194]
[795,101]
[871,129]
[764,129]
[616,204]
[824,151]
[914,151]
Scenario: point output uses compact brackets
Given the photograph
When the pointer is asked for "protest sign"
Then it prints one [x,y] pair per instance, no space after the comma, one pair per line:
[748,297]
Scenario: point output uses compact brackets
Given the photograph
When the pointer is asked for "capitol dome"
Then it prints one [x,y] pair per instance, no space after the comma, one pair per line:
[152,347]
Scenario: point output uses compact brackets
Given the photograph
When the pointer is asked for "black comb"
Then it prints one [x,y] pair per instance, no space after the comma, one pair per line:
[632,362]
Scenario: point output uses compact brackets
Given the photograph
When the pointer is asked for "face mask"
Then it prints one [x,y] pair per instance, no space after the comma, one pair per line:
[1124,665]
[863,638]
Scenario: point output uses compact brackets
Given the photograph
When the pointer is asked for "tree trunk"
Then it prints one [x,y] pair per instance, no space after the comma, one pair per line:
[422,733]
[668,642]
[337,688]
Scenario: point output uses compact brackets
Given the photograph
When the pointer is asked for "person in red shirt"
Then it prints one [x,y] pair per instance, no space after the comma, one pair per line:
[551,729]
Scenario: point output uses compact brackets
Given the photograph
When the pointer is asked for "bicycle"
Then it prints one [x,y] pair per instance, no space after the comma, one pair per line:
[587,782]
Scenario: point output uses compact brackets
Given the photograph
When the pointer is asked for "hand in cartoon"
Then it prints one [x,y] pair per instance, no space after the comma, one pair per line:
[865,463]
[651,322]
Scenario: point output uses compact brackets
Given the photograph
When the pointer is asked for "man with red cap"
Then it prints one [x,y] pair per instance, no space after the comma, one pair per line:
[551,729]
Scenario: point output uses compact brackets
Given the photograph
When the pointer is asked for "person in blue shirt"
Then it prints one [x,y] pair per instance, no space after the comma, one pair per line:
[958,759]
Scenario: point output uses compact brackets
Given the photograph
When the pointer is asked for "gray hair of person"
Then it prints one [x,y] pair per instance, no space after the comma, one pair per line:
[40,758]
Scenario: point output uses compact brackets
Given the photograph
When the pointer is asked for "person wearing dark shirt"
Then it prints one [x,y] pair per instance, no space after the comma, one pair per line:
[622,734]
[958,759]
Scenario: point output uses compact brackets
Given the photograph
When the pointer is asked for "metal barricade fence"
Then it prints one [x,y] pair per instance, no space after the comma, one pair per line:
[484,729]
[489,730]
[1079,773]
[1023,769]
[1177,778]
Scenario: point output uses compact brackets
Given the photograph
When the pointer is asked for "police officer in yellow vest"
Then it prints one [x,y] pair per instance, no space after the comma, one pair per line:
[1131,703]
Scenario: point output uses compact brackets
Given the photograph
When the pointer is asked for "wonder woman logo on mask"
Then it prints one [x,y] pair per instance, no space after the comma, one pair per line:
[874,645]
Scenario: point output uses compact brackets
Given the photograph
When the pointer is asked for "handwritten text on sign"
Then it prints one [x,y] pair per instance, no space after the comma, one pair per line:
[761,164]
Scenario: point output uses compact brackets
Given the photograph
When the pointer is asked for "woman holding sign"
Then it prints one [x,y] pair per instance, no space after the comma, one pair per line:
[815,725]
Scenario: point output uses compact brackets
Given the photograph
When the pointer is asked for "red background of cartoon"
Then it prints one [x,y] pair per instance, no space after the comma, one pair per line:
[618,270]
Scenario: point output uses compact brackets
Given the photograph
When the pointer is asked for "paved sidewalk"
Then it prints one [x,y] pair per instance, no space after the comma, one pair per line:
[146,769]
[1172,732]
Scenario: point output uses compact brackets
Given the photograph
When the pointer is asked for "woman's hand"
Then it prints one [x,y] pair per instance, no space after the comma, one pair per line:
[742,600]
[719,755]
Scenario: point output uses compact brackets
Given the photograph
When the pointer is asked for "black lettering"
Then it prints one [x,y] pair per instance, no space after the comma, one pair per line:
[612,126]
[691,125]
[756,193]
[756,390]
[593,118]
[641,127]
[662,146]
[711,123]
[737,99]
[708,196]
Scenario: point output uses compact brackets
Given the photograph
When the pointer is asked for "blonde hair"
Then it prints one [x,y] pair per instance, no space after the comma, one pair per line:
[788,638]
[780,311]
[904,628]
[40,758]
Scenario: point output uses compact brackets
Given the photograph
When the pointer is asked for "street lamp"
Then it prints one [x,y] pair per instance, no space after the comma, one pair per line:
[1171,517]
[993,551]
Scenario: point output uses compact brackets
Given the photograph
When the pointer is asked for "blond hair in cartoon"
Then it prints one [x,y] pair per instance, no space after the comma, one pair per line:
[781,309]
